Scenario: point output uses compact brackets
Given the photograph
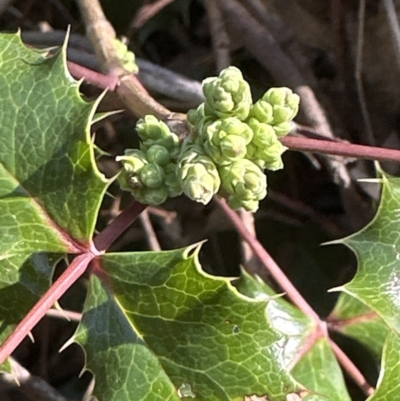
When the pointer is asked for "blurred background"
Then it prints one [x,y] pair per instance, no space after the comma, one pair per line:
[341,56]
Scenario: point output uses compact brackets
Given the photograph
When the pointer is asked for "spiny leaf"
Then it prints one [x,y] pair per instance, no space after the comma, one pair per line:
[22,281]
[377,286]
[388,388]
[125,368]
[377,247]
[197,331]
[50,188]
[356,320]
[307,354]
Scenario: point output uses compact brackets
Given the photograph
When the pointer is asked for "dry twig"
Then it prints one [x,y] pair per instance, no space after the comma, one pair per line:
[148,11]
[101,35]
[220,38]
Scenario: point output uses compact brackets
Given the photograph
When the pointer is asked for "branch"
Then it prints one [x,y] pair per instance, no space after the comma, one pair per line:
[103,240]
[55,292]
[93,77]
[294,295]
[341,149]
[101,35]
[351,369]
[268,262]
[146,12]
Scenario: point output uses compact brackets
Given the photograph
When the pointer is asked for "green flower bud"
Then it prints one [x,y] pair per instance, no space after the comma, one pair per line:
[273,159]
[171,180]
[200,120]
[285,104]
[266,157]
[153,131]
[262,111]
[145,181]
[127,57]
[150,196]
[194,116]
[126,182]
[263,134]
[198,175]
[244,184]
[225,140]
[158,154]
[227,95]
[152,175]
[151,128]
[171,143]
[133,161]
[283,128]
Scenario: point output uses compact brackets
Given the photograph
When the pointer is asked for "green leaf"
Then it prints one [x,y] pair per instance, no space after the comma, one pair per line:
[388,388]
[319,371]
[23,281]
[356,320]
[50,188]
[369,309]
[196,330]
[377,247]
[307,353]
[119,356]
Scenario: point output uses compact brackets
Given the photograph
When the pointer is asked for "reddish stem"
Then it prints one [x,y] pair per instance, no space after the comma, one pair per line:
[294,143]
[71,274]
[295,296]
[267,260]
[98,79]
[352,369]
[341,149]
[338,324]
[103,241]
[53,294]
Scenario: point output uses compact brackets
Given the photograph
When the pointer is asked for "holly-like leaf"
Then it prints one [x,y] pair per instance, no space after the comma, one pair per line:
[377,247]
[50,188]
[23,279]
[197,335]
[356,320]
[369,309]
[307,353]
[117,353]
[388,388]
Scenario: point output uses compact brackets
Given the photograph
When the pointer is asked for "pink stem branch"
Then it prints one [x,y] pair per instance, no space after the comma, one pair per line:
[294,295]
[267,260]
[71,274]
[63,283]
[103,241]
[341,149]
[102,81]
[351,369]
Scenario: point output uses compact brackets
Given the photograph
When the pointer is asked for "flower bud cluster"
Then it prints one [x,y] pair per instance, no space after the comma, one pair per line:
[127,57]
[240,138]
[231,142]
[150,173]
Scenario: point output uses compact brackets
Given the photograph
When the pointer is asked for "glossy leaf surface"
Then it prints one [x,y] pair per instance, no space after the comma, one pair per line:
[307,352]
[194,329]
[50,188]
